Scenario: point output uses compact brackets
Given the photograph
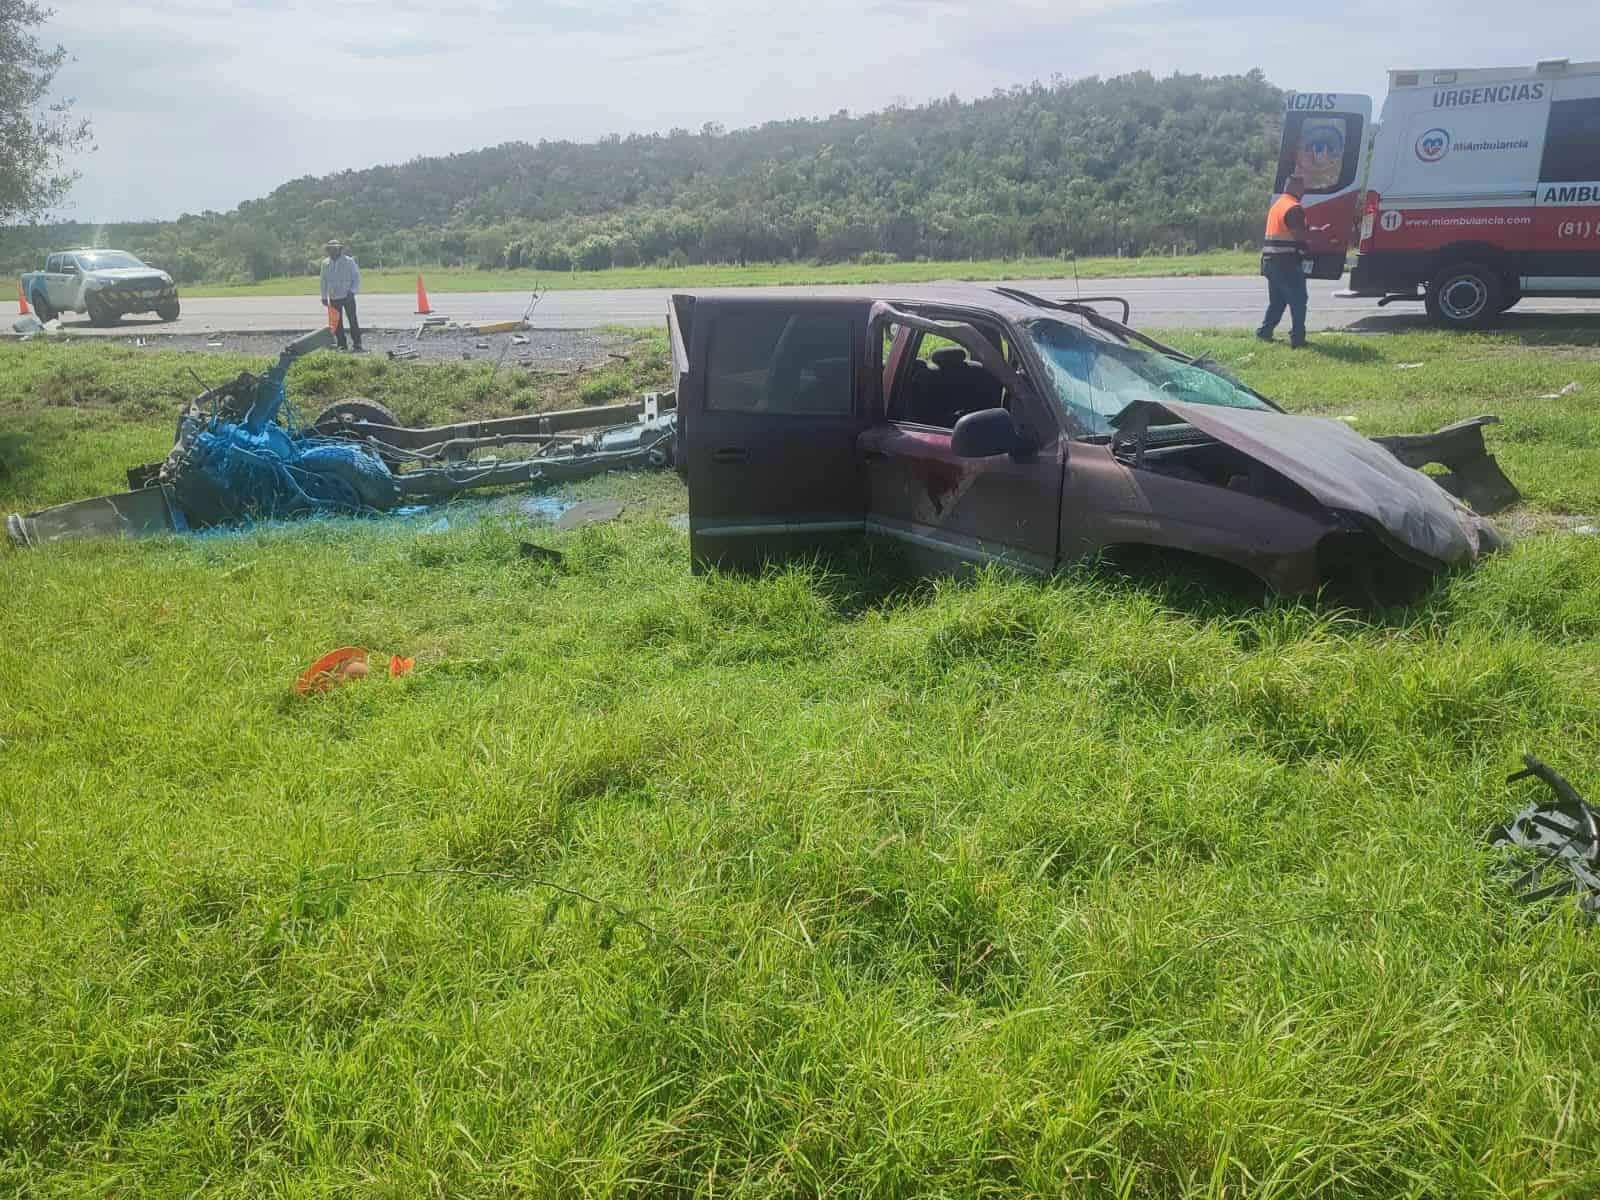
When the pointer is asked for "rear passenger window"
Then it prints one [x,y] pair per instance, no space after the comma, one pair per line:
[1572,145]
[780,362]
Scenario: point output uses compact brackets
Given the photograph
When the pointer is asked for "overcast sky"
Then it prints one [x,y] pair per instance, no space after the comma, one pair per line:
[200,104]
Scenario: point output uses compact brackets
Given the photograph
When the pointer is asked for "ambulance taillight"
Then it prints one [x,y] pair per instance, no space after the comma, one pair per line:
[1369,220]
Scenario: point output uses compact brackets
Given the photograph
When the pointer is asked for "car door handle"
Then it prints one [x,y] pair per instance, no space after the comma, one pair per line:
[730,454]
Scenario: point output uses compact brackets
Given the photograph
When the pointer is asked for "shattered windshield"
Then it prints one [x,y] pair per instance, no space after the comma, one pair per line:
[108,260]
[1096,378]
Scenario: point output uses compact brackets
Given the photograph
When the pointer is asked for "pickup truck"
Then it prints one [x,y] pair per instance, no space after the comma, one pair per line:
[974,425]
[105,284]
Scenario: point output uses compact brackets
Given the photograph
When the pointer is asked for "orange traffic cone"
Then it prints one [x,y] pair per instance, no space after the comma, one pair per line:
[334,318]
[22,301]
[422,299]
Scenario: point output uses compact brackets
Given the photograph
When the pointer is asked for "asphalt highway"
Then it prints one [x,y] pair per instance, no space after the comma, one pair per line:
[1226,302]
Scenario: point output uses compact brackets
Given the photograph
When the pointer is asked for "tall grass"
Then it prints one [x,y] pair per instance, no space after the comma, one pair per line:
[826,881]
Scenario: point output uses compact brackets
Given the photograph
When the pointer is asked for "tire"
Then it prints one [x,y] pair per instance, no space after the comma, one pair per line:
[41,308]
[1465,296]
[1509,301]
[169,312]
[99,314]
[358,408]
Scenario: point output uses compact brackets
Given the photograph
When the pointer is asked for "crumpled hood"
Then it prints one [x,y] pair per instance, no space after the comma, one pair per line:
[1340,469]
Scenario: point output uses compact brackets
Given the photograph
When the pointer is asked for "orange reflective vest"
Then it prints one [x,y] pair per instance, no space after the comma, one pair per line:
[1279,238]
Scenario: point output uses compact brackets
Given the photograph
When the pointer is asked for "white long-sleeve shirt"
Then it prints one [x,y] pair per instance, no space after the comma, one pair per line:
[340,278]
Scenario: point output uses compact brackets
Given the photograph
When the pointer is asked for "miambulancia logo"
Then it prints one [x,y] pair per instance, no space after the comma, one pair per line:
[1433,145]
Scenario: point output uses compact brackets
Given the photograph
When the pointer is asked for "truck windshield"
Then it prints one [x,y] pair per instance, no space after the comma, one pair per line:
[1095,378]
[107,260]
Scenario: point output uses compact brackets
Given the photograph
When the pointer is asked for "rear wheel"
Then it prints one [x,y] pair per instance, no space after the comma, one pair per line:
[168,312]
[100,313]
[1465,296]
[41,307]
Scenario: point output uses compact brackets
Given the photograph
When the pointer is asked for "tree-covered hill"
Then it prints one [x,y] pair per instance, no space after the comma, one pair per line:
[1092,166]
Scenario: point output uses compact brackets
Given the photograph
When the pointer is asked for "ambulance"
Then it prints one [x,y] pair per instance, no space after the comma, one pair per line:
[1476,187]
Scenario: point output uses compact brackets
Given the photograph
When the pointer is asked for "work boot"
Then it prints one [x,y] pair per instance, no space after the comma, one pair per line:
[1298,343]
[1263,336]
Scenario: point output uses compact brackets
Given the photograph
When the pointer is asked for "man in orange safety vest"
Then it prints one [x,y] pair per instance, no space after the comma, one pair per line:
[1283,249]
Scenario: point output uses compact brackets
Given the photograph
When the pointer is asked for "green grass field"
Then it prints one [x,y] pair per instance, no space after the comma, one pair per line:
[403,280]
[828,882]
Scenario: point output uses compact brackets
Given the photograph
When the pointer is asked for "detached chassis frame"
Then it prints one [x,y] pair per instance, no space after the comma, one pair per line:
[572,444]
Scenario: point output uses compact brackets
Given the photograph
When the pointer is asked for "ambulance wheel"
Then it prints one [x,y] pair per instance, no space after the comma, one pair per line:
[1465,296]
[1509,301]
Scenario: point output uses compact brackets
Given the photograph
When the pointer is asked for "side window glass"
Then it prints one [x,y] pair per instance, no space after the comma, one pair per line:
[1325,149]
[771,361]
[1572,143]
[939,384]
[52,264]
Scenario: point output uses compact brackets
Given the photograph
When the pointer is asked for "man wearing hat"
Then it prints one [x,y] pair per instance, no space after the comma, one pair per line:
[341,280]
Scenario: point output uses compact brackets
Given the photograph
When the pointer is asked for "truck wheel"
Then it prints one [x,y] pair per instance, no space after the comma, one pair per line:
[168,312]
[99,312]
[1465,296]
[41,308]
[359,408]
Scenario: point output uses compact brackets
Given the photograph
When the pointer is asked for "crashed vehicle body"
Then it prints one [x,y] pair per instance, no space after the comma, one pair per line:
[238,458]
[105,284]
[996,426]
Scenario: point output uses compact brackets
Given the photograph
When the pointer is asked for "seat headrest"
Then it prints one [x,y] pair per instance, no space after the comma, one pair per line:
[949,358]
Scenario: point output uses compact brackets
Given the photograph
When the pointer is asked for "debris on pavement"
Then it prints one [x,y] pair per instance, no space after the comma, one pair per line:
[1560,835]
[1408,366]
[27,324]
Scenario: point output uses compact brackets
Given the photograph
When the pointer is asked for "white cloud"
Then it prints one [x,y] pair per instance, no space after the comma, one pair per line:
[203,103]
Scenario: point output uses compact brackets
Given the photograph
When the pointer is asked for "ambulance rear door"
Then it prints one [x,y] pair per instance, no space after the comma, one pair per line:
[1325,140]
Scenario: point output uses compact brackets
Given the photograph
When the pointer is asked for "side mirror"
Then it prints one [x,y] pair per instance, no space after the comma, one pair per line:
[988,432]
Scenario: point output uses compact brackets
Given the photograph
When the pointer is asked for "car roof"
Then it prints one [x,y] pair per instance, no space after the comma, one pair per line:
[981,297]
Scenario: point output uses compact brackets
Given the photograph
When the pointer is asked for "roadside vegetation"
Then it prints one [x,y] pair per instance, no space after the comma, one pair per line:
[824,882]
[1133,165]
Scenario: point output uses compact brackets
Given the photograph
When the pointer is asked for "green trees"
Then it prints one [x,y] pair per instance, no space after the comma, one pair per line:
[35,135]
[1132,164]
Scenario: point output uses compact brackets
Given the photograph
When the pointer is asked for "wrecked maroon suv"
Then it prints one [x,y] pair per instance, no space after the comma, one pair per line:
[997,426]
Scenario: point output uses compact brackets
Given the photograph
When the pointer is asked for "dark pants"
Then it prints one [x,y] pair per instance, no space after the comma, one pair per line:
[1286,288]
[347,320]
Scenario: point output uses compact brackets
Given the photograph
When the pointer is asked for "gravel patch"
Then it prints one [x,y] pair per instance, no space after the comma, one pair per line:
[546,349]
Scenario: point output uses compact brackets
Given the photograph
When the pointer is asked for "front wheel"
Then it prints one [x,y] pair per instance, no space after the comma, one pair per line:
[168,312]
[1465,296]
[100,313]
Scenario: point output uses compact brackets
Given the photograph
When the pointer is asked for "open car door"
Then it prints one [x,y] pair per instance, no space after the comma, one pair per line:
[1326,136]
[771,404]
